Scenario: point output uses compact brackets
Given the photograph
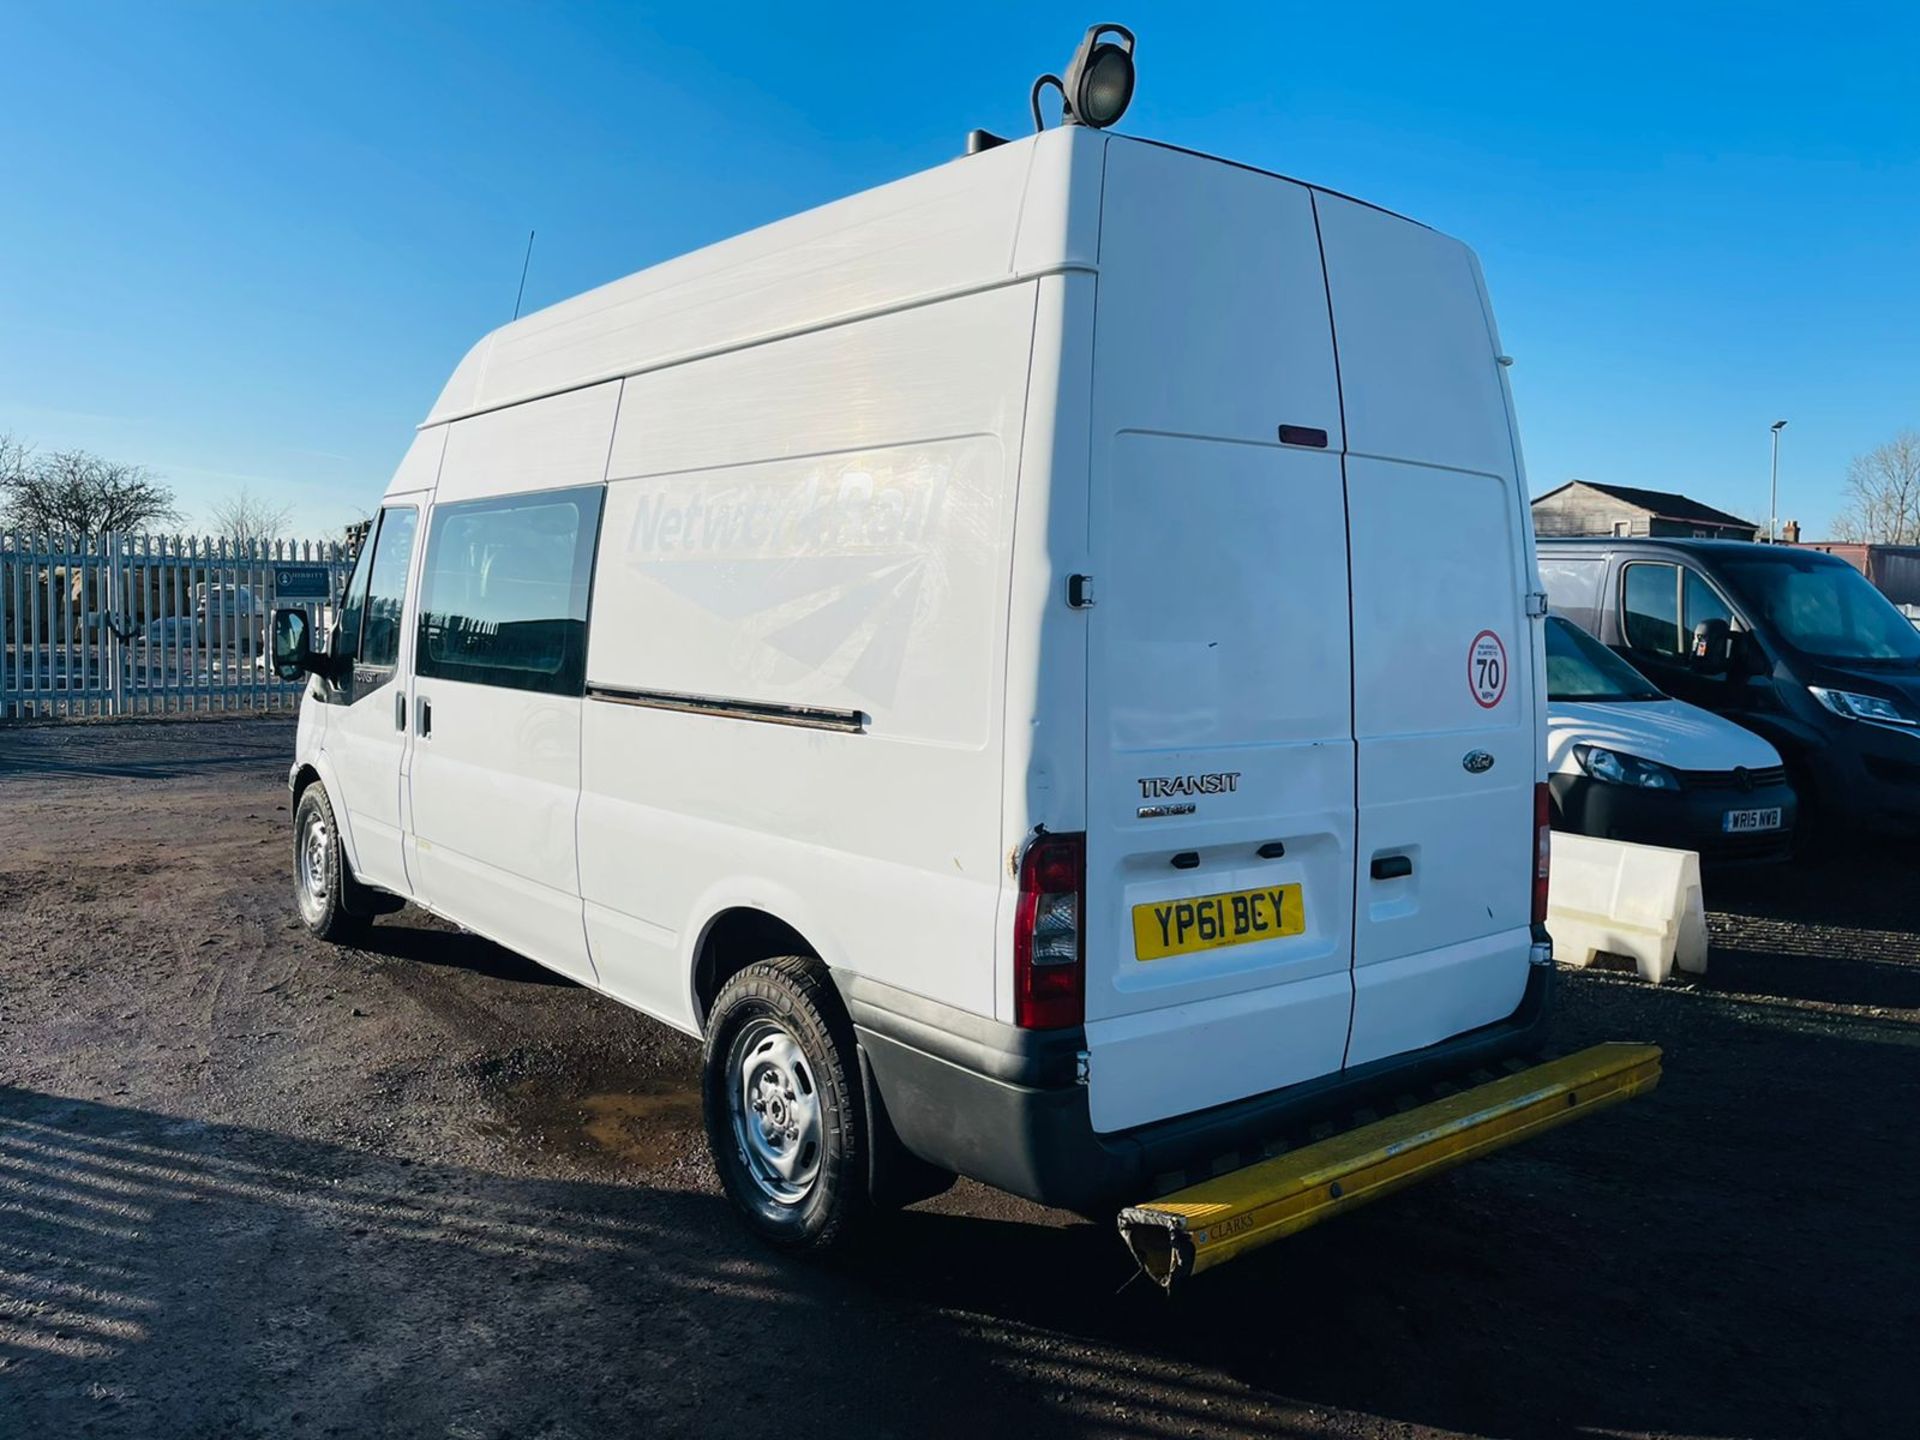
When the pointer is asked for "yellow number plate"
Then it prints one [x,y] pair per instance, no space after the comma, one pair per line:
[1209,922]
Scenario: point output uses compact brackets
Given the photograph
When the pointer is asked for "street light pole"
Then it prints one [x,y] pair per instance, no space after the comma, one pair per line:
[1773,499]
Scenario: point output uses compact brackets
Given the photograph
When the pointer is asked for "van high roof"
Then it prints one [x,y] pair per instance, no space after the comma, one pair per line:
[1028,208]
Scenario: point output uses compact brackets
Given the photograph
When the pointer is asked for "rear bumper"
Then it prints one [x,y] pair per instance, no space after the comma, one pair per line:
[1679,820]
[1219,1219]
[1003,1106]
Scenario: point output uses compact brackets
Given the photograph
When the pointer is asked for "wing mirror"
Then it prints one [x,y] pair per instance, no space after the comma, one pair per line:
[1712,646]
[293,652]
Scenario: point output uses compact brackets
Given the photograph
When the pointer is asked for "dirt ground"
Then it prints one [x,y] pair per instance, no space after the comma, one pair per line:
[253,1185]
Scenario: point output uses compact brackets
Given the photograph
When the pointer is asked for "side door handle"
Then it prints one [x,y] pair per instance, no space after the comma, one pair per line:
[423,716]
[400,711]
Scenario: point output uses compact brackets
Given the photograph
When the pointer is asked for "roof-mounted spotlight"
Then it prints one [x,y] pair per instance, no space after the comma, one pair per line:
[1099,82]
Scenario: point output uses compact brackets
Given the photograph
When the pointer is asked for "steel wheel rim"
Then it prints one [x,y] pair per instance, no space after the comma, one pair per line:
[774,1105]
[310,861]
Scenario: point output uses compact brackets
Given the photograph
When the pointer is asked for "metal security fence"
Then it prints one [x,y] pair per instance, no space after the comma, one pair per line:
[152,624]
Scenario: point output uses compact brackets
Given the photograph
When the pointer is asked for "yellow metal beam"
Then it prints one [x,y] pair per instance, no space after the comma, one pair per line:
[1204,1225]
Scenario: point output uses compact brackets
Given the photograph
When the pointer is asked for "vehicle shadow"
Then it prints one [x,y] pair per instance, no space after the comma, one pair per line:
[1838,927]
[160,1276]
[1858,885]
[1706,1260]
[1886,977]
[1698,1261]
[419,938]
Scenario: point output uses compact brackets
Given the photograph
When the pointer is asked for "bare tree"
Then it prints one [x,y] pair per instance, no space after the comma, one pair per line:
[75,492]
[14,454]
[251,519]
[1883,494]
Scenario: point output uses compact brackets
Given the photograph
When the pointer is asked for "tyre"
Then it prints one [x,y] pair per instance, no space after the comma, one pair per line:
[323,886]
[784,1112]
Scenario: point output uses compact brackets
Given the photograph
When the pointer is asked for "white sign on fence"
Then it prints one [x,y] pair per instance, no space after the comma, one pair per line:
[151,624]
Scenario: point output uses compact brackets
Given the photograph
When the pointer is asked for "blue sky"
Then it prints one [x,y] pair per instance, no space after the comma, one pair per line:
[245,243]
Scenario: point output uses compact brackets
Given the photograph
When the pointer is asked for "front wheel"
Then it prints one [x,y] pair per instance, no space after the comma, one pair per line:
[784,1115]
[322,881]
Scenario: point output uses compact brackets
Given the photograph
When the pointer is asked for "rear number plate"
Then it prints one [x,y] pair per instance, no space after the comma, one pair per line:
[1738,821]
[1210,922]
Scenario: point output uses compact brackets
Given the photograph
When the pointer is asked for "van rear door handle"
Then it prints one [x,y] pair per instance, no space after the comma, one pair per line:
[1392,867]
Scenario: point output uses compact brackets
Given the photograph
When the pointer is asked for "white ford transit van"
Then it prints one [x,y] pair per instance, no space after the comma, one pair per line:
[1038,664]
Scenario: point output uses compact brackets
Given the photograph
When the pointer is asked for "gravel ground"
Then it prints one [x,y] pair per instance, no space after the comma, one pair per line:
[254,1185]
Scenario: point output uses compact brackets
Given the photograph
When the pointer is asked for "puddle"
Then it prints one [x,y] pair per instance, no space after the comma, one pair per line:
[649,1124]
[644,1127]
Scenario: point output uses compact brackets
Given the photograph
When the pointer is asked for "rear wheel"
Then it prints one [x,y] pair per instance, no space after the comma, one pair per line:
[784,1114]
[323,885]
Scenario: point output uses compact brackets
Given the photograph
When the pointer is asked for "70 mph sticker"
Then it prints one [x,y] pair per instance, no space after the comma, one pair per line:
[1487,670]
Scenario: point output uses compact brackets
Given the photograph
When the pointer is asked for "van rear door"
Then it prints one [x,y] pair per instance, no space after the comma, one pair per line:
[1219,916]
[1446,717]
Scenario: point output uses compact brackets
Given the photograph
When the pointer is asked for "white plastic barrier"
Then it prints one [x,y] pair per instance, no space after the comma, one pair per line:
[1635,900]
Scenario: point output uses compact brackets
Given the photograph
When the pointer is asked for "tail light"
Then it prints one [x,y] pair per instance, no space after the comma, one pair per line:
[1049,964]
[1542,850]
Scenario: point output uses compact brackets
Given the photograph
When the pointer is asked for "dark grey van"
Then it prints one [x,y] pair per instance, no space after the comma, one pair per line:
[1793,644]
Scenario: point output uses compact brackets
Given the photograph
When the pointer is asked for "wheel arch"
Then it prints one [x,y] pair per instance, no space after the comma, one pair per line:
[304,774]
[313,770]
[734,937]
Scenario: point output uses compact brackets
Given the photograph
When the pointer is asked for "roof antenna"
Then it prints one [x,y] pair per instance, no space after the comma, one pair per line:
[520,294]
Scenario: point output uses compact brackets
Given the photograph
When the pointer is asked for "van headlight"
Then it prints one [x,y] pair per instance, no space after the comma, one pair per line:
[1613,768]
[1849,706]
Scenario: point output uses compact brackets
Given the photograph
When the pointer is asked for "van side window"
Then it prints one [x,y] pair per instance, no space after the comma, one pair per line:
[387,587]
[1652,604]
[503,598]
[1702,602]
[343,641]
[1573,586]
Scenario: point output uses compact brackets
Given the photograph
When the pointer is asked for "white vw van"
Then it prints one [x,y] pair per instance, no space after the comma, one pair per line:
[1038,664]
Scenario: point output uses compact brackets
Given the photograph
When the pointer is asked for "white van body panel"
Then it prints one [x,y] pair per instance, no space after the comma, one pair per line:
[844,469]
[1043,724]
[543,445]
[497,753]
[495,782]
[1668,732]
[1219,644]
[972,224]
[365,751]
[842,543]
[1442,559]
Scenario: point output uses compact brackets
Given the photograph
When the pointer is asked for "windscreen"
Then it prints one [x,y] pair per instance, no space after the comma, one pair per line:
[1579,667]
[1824,608]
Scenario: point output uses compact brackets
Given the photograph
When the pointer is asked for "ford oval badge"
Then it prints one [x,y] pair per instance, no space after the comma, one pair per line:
[1477,762]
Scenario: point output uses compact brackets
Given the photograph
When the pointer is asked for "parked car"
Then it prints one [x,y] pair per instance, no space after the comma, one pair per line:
[1792,644]
[173,632]
[1626,762]
[223,614]
[227,609]
[964,695]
